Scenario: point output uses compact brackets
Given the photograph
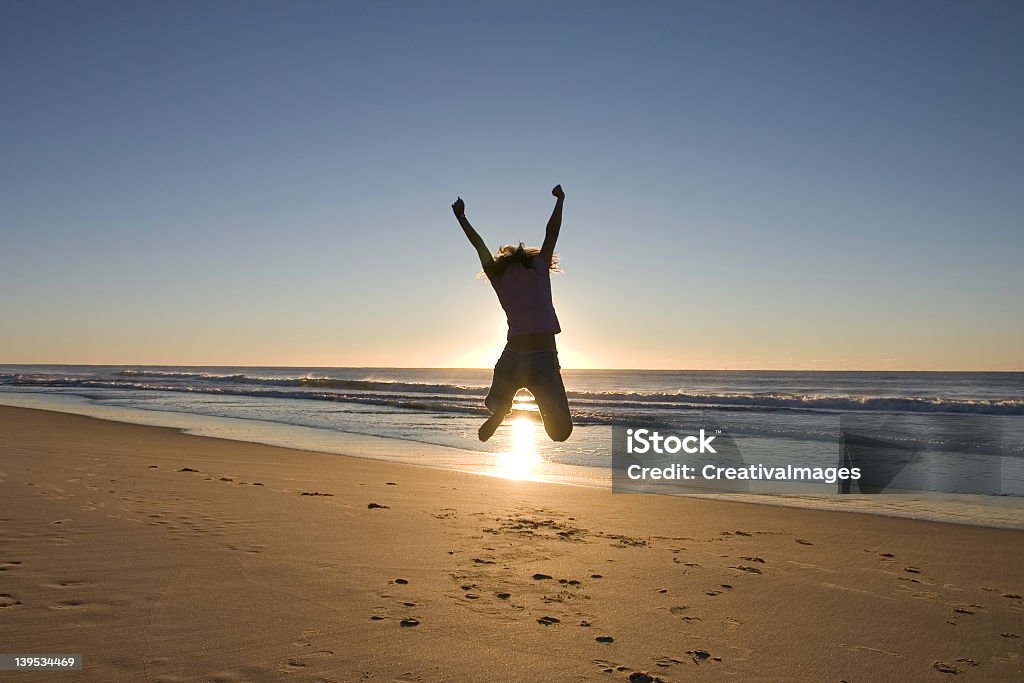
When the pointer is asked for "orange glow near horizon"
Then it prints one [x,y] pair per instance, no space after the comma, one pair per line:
[486,355]
[578,350]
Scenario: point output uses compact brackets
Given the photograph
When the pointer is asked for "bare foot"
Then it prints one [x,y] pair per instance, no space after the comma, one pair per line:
[488,428]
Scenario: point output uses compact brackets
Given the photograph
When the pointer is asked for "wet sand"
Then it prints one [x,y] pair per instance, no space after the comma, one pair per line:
[167,557]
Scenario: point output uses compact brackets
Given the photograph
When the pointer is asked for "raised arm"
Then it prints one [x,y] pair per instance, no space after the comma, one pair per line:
[459,207]
[547,250]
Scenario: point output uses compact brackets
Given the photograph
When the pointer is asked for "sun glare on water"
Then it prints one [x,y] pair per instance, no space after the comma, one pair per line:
[521,461]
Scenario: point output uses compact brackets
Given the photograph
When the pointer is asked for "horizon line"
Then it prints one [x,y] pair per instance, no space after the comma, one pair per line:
[595,369]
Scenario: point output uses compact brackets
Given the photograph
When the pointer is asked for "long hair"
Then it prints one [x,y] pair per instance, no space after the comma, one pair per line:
[509,254]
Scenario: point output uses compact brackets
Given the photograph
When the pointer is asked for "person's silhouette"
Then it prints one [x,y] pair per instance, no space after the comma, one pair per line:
[520,276]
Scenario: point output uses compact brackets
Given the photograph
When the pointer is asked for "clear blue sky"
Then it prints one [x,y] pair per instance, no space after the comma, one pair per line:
[749,185]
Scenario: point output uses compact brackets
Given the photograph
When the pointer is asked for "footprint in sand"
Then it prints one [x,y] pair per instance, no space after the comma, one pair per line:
[608,667]
[297,663]
[549,621]
[666,662]
[946,668]
[701,656]
[607,640]
[68,604]
[7,601]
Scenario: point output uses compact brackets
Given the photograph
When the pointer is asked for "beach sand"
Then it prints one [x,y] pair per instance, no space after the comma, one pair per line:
[166,557]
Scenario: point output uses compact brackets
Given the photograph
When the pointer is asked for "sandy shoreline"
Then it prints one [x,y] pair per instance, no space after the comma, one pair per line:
[109,549]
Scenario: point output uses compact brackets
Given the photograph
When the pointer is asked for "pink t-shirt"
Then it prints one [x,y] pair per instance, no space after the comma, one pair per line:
[525,294]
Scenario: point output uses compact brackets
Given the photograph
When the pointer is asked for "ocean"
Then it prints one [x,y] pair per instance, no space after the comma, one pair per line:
[957,422]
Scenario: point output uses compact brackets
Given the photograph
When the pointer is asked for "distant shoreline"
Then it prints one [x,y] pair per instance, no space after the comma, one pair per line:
[482,367]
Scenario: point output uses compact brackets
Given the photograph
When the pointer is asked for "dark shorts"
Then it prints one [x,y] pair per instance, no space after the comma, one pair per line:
[538,372]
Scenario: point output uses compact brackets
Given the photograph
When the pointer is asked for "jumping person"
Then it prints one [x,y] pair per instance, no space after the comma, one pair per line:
[521,278]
